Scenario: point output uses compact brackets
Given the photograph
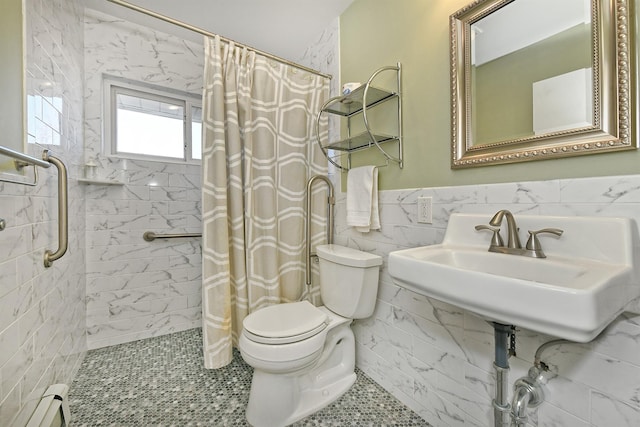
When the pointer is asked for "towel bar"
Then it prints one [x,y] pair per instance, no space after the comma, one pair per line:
[150,236]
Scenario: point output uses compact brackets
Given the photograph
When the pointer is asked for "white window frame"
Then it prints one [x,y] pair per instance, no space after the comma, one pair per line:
[113,86]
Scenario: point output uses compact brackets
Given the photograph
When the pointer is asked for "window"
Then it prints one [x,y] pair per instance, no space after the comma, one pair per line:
[152,123]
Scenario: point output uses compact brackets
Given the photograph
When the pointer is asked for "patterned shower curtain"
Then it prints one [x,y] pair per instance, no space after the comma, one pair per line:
[258,152]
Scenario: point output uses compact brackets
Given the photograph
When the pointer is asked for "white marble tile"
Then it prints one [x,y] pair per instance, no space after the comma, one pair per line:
[145,308]
[425,331]
[479,381]
[33,320]
[115,192]
[446,363]
[524,193]
[382,312]
[8,277]
[127,330]
[110,207]
[425,375]
[385,334]
[106,268]
[410,301]
[551,416]
[621,341]
[398,214]
[616,189]
[614,377]
[11,340]
[189,207]
[567,396]
[446,413]
[412,236]
[12,372]
[322,55]
[607,412]
[471,403]
[146,177]
[98,284]
[16,241]
[192,181]
[11,404]
[469,421]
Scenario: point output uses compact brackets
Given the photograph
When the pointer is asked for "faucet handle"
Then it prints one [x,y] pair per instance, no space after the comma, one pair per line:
[533,244]
[496,239]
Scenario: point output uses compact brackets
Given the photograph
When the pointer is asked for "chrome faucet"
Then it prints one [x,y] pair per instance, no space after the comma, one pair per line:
[514,247]
[513,240]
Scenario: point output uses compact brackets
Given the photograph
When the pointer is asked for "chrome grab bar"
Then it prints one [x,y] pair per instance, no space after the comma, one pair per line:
[63,218]
[22,160]
[150,236]
[24,157]
[330,202]
[63,197]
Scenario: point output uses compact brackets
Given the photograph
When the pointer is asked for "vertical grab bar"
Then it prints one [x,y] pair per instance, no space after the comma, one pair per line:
[63,218]
[330,203]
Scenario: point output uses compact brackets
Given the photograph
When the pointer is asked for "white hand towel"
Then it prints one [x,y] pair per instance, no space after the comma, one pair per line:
[362,199]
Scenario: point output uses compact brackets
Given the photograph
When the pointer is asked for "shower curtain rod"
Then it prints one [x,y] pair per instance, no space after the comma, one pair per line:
[209,34]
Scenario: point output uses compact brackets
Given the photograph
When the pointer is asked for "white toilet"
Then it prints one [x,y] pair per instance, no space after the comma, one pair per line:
[304,356]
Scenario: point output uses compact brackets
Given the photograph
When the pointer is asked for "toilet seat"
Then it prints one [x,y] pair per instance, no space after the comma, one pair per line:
[285,323]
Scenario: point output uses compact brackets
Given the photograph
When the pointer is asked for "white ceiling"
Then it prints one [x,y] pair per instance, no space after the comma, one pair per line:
[281,27]
[525,22]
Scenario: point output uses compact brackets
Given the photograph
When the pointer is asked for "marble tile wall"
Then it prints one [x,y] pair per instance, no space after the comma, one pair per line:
[42,311]
[323,55]
[138,289]
[438,359]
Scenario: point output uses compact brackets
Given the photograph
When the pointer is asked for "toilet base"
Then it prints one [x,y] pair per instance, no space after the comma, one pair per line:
[282,399]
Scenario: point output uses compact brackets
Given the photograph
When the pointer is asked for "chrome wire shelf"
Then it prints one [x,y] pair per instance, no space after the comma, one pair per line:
[359,142]
[358,102]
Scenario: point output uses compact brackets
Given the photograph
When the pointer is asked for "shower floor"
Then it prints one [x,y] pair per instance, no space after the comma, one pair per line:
[162,382]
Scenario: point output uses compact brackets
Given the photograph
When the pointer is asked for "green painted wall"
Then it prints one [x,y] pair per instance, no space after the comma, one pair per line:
[511,76]
[416,33]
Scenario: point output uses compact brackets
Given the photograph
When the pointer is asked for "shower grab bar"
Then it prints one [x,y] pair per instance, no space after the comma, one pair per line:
[63,216]
[23,157]
[63,197]
[330,202]
[22,160]
[150,236]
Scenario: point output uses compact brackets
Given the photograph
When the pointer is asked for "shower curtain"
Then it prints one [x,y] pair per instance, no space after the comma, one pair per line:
[258,152]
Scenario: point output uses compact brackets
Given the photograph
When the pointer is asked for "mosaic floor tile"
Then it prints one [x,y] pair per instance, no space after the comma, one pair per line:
[162,382]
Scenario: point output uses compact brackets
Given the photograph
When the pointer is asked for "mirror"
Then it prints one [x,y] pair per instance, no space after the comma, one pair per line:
[12,85]
[539,79]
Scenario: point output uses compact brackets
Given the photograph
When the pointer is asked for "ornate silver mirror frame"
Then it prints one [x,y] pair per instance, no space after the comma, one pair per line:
[613,86]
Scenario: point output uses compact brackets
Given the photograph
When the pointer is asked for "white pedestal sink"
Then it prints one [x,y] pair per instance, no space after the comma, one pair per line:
[590,275]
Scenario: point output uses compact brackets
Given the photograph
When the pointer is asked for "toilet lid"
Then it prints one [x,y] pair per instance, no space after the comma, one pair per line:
[285,323]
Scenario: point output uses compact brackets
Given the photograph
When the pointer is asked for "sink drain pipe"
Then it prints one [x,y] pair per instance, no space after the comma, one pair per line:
[527,391]
[527,394]
[501,406]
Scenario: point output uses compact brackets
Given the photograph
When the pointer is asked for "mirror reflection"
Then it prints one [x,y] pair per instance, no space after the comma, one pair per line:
[538,79]
[12,107]
[531,70]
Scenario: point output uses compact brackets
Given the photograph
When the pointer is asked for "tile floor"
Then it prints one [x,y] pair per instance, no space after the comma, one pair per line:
[161,382]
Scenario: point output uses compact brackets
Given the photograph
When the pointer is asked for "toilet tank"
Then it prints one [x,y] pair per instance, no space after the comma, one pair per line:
[348,280]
